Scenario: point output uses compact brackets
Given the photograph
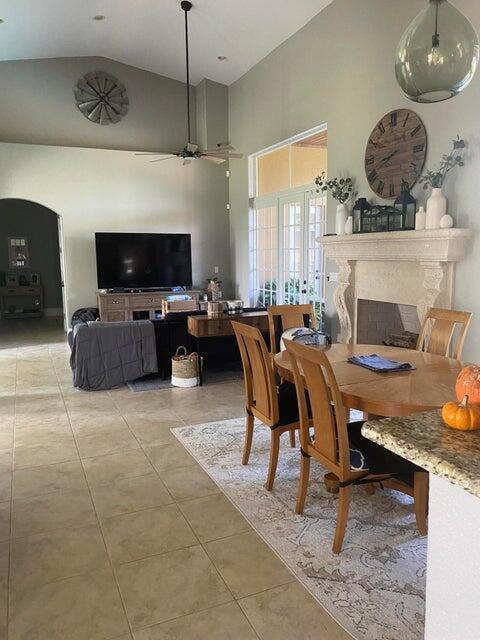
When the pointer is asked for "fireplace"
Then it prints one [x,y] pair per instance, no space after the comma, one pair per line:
[387,322]
[414,269]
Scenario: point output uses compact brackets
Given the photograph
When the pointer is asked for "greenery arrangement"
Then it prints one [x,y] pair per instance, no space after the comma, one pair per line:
[342,189]
[436,179]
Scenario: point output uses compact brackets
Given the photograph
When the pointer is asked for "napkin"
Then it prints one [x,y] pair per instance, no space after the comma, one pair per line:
[375,362]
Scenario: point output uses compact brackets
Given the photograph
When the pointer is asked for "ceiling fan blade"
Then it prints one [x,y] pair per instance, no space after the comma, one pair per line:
[235,155]
[186,161]
[156,153]
[161,159]
[191,148]
[213,159]
[220,149]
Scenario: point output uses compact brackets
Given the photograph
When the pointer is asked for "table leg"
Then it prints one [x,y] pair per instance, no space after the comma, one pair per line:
[200,368]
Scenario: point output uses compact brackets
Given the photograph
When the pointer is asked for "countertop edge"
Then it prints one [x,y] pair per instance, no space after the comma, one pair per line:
[376,432]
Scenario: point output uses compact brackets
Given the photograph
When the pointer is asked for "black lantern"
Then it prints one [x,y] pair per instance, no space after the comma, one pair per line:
[360,209]
[406,205]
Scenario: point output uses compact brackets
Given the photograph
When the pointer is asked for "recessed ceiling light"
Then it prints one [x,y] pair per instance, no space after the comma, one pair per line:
[222,58]
[98,18]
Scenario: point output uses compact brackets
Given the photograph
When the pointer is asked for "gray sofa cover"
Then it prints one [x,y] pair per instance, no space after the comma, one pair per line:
[108,354]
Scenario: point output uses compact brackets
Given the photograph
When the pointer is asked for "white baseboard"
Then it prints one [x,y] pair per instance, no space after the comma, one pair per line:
[52,312]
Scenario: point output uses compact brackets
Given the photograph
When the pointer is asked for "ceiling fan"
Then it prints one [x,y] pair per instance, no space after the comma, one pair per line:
[222,152]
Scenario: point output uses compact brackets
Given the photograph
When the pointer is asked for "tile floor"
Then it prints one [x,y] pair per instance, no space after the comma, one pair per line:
[109,530]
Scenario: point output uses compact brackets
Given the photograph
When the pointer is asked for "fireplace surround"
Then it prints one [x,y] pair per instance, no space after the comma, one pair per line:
[402,267]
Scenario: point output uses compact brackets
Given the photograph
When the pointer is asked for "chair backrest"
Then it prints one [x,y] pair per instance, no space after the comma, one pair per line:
[314,376]
[258,373]
[438,329]
[288,316]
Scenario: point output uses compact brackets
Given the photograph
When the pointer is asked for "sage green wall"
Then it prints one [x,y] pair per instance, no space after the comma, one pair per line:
[339,69]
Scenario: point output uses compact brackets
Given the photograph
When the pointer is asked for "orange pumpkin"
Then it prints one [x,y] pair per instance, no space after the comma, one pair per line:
[463,416]
[468,384]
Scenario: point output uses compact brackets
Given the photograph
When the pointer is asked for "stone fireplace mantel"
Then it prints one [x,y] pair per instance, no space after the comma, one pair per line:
[404,267]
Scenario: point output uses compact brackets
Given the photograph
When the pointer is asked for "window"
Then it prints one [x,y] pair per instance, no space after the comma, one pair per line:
[287,216]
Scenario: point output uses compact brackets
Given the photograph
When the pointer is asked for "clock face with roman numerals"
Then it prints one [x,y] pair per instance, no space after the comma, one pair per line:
[395,153]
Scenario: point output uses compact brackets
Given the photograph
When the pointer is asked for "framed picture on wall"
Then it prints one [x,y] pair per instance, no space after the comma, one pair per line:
[35,279]
[18,255]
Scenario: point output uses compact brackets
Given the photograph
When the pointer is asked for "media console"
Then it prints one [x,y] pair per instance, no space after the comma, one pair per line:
[114,307]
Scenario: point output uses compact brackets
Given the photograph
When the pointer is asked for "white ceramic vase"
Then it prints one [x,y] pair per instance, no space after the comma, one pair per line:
[420,219]
[349,226]
[341,219]
[436,209]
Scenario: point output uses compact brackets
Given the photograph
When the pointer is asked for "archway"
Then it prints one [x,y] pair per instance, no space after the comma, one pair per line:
[30,264]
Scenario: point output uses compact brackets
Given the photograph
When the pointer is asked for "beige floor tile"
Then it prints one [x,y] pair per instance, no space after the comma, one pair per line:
[288,612]
[4,563]
[6,437]
[5,486]
[88,424]
[4,520]
[62,509]
[133,536]
[85,607]
[37,481]
[63,450]
[43,421]
[247,564]
[154,431]
[130,494]
[162,587]
[105,443]
[189,482]
[226,622]
[38,559]
[116,466]
[168,456]
[48,434]
[213,517]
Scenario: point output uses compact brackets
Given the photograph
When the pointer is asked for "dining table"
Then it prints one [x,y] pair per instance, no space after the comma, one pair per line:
[428,386]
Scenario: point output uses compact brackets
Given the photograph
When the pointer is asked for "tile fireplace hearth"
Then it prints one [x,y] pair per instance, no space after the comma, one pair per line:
[401,267]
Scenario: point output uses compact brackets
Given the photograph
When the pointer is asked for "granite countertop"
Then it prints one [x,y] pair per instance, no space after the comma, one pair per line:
[425,440]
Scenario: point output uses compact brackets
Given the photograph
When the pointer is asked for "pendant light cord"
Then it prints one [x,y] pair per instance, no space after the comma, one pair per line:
[188,75]
[436,35]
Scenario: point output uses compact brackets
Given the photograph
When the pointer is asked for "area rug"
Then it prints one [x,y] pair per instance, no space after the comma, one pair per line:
[375,588]
[156,382]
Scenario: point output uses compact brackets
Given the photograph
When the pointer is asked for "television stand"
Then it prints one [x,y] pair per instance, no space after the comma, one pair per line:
[115,307]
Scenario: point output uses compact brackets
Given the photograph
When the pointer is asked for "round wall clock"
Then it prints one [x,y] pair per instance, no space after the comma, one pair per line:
[395,153]
[101,97]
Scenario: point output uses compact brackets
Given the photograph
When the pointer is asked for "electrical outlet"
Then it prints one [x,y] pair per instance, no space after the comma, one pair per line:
[215,269]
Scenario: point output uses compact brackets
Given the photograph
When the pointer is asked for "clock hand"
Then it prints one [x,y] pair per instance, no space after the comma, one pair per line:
[388,158]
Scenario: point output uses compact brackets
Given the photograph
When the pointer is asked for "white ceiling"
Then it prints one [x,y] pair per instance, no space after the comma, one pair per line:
[149,34]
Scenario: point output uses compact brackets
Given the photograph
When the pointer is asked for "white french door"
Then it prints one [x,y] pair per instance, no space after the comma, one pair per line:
[286,261]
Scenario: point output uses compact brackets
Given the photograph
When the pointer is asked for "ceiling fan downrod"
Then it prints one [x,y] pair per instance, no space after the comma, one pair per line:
[186,6]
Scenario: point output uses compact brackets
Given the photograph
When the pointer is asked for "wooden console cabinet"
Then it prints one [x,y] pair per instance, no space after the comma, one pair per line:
[114,307]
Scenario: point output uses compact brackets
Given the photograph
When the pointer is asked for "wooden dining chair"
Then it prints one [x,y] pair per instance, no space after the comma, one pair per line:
[275,407]
[337,445]
[288,316]
[438,329]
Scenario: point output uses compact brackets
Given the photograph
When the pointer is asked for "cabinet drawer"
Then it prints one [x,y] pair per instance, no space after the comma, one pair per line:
[153,301]
[115,303]
[115,316]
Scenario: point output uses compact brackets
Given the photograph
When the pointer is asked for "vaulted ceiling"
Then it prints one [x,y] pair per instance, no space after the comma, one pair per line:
[149,34]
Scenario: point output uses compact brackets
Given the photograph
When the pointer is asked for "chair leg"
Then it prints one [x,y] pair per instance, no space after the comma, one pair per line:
[342,517]
[420,497]
[274,451]
[303,483]
[292,438]
[248,438]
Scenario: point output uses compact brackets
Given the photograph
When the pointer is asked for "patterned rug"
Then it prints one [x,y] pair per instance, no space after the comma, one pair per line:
[376,587]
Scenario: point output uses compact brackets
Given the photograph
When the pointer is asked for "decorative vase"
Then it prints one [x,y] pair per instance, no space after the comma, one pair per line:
[436,209]
[349,226]
[420,219]
[341,219]
[446,222]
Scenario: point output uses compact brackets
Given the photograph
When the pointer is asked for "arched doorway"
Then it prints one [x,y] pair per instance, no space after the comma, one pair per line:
[30,265]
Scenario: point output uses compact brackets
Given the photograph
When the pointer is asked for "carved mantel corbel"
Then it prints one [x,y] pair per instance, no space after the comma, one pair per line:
[344,298]
[437,286]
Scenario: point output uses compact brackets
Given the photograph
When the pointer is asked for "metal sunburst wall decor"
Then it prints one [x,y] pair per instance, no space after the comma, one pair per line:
[101,98]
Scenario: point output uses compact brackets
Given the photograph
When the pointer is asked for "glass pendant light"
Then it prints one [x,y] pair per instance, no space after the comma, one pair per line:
[437,55]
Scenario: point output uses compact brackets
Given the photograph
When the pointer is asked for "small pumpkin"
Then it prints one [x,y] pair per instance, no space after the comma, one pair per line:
[468,384]
[462,416]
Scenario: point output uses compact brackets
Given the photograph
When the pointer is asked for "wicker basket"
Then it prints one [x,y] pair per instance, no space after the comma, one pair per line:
[214,309]
[185,368]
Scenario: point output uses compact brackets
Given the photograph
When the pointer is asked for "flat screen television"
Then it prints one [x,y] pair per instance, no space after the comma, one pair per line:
[143,260]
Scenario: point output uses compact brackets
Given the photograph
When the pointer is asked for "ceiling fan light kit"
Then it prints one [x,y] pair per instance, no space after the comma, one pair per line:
[190,152]
[437,55]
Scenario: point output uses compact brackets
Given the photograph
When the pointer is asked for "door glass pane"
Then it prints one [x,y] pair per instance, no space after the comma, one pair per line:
[292,251]
[314,269]
[263,256]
